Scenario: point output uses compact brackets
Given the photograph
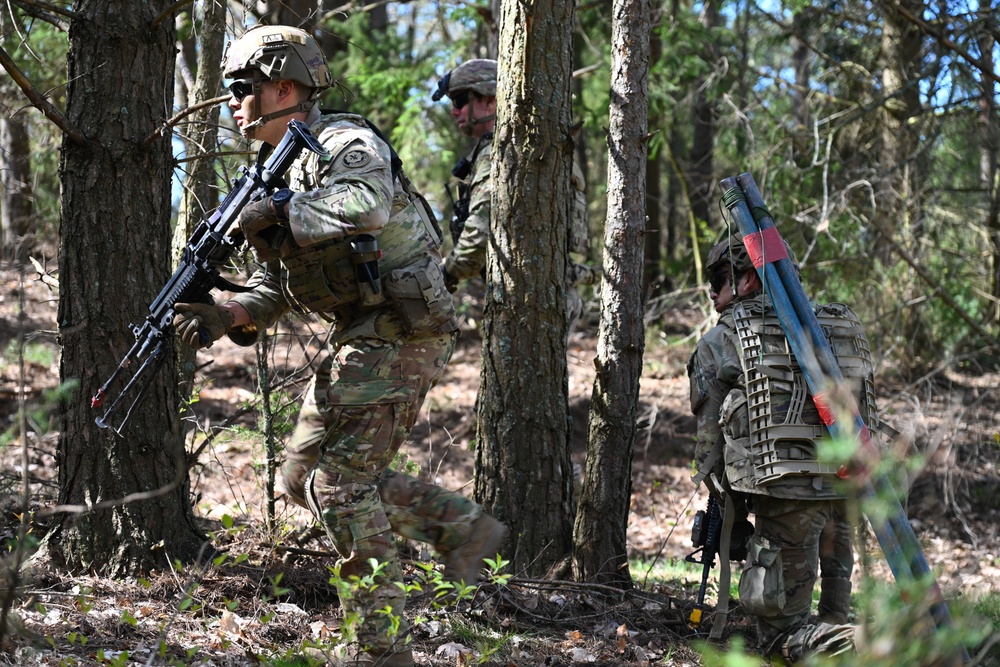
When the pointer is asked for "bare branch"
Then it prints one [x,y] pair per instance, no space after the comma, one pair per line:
[37,99]
[162,130]
[983,67]
[38,8]
[168,11]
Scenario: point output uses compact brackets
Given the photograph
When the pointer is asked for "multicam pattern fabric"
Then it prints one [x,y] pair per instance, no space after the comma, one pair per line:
[367,393]
[796,535]
[339,195]
[468,258]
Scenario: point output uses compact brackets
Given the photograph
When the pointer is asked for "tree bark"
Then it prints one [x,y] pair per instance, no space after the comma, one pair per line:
[114,258]
[16,198]
[654,276]
[17,209]
[897,192]
[599,535]
[703,143]
[524,471]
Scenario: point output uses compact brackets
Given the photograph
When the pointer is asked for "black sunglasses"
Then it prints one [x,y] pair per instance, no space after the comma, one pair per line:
[240,88]
[460,100]
[719,278]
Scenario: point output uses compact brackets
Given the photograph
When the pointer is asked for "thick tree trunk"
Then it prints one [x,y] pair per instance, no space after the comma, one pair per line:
[524,471]
[602,515]
[114,258]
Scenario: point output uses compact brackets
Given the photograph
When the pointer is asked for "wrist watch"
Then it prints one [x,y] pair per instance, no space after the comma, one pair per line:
[279,200]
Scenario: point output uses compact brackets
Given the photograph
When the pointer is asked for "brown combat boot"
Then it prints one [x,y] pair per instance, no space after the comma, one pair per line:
[464,562]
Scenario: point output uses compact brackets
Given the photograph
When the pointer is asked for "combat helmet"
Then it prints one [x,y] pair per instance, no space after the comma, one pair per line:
[478,75]
[278,52]
[731,253]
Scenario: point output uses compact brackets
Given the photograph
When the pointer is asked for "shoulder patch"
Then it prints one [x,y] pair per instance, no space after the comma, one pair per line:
[356,159]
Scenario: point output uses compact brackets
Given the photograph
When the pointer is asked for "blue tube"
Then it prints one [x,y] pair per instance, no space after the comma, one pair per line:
[819,367]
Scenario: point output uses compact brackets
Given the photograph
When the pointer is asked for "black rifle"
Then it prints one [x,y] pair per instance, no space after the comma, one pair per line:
[706,534]
[208,249]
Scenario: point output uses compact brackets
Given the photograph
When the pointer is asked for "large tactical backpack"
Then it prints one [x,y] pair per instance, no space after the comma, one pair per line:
[781,453]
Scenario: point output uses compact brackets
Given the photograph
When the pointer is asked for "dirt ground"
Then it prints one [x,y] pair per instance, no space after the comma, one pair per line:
[238,616]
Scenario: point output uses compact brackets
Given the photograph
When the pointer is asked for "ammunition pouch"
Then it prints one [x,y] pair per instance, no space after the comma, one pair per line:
[420,298]
[321,278]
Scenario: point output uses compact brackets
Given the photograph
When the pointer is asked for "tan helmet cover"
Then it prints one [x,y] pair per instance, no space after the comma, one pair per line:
[279,53]
[478,75]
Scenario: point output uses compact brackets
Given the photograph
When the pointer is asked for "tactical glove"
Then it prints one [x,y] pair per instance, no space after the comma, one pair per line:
[199,325]
[263,229]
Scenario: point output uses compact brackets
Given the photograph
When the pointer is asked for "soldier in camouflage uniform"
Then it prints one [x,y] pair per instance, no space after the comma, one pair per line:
[391,336]
[471,87]
[800,512]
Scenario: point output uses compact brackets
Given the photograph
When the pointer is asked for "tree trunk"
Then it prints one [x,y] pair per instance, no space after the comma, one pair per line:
[200,134]
[114,258]
[654,276]
[990,145]
[17,202]
[703,142]
[16,199]
[602,515]
[523,466]
[897,192]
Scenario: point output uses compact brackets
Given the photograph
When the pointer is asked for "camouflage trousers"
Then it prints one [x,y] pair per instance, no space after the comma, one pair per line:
[782,567]
[359,409]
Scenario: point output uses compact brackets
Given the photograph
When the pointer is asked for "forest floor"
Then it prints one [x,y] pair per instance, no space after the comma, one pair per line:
[277,598]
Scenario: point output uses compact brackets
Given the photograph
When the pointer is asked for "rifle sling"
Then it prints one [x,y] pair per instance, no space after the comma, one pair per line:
[725,574]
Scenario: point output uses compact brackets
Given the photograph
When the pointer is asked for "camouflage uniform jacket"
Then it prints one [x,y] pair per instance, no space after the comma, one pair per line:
[350,190]
[714,369]
[468,258]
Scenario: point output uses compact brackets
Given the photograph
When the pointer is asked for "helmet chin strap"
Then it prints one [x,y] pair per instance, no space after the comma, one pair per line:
[250,129]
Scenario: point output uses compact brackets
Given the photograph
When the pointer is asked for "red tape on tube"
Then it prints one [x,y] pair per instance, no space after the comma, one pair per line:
[765,245]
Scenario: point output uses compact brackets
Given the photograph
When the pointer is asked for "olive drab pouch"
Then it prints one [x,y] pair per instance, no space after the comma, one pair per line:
[320,278]
[762,584]
[420,298]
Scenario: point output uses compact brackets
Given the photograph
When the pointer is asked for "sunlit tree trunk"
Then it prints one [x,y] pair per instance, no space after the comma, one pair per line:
[599,544]
[16,199]
[200,134]
[114,258]
[523,466]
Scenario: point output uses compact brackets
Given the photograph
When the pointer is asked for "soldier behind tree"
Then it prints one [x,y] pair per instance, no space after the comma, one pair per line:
[472,87]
